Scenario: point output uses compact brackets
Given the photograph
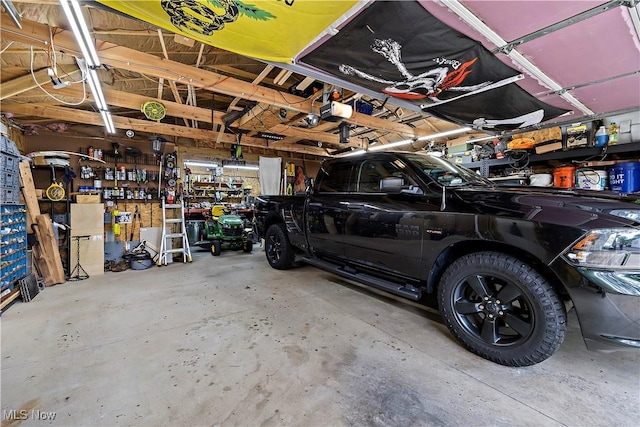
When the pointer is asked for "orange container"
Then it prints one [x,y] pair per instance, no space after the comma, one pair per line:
[564,177]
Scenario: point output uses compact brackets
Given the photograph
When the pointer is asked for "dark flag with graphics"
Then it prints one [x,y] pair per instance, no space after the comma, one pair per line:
[514,108]
[401,50]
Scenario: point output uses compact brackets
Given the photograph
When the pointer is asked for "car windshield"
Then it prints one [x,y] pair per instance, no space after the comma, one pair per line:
[446,173]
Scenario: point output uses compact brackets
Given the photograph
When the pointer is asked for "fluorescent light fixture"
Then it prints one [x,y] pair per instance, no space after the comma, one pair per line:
[111,128]
[475,23]
[108,121]
[80,30]
[245,167]
[201,164]
[74,15]
[392,145]
[443,134]
[12,12]
[96,90]
[380,147]
[355,153]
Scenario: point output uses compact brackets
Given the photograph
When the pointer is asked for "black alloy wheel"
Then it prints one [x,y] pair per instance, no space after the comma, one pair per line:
[502,309]
[279,251]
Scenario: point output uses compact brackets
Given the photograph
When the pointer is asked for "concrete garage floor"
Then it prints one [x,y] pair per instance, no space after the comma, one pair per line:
[229,341]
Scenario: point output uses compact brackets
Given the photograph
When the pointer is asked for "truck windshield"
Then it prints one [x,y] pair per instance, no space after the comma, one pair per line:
[446,173]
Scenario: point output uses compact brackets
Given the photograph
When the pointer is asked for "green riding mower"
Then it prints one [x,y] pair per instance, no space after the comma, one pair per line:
[223,230]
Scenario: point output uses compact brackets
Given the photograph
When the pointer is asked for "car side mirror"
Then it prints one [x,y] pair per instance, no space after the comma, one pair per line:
[391,184]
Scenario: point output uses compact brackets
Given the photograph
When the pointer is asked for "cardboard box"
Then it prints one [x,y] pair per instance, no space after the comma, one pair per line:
[547,148]
[87,198]
[461,148]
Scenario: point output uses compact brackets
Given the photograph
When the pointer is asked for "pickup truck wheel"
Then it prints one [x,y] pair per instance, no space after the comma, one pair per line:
[502,309]
[280,253]
[247,247]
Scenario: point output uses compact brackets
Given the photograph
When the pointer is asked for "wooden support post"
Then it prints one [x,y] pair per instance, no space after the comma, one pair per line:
[29,194]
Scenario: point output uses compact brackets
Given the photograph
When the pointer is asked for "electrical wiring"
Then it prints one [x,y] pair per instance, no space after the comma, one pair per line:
[33,75]
[74,82]
[302,101]
[52,53]
[3,50]
[127,64]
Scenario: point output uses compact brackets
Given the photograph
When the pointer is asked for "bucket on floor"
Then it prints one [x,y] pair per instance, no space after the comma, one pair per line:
[563,177]
[624,178]
[194,229]
[590,179]
[140,263]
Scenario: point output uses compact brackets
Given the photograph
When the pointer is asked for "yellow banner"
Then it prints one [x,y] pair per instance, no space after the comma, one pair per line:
[271,30]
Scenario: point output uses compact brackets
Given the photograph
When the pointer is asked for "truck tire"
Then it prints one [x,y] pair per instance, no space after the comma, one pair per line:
[279,251]
[502,309]
[247,247]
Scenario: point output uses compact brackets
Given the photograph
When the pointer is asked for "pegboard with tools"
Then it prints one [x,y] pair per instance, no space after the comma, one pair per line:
[170,183]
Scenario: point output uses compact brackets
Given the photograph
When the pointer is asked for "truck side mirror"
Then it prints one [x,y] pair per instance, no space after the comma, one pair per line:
[391,184]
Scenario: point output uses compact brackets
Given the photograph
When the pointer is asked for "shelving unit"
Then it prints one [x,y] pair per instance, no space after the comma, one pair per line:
[202,191]
[13,245]
[142,187]
[624,151]
[59,210]
[207,191]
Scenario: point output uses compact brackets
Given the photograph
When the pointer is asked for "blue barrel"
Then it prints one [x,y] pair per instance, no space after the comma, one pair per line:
[624,178]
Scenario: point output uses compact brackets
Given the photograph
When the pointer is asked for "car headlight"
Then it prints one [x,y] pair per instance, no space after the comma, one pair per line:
[617,248]
[632,214]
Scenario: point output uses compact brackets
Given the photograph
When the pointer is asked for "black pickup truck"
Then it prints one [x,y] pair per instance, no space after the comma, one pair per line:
[505,262]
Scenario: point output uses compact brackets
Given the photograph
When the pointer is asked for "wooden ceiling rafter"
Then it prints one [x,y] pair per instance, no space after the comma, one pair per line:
[92,118]
[172,84]
[122,57]
[261,76]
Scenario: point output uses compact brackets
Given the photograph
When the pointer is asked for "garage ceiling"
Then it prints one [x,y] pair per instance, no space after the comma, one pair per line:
[582,57]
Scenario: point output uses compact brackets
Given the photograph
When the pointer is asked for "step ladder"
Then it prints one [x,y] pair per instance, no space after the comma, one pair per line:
[170,224]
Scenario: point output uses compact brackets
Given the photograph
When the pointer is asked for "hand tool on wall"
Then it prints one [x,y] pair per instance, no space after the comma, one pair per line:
[135,153]
[136,214]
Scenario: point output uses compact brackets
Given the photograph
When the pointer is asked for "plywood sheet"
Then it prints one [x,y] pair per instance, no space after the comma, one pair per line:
[48,252]
[153,235]
[87,220]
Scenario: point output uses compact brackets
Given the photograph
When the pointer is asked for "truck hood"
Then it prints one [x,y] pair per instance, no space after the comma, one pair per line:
[579,208]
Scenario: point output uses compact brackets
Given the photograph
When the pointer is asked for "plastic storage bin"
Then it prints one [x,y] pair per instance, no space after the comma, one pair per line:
[13,247]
